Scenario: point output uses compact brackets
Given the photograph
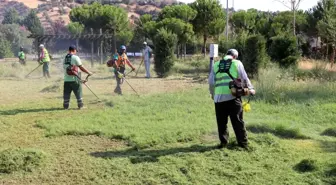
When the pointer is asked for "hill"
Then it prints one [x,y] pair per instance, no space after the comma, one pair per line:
[57,12]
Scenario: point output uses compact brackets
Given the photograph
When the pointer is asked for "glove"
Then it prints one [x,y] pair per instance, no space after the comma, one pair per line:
[252,92]
[133,69]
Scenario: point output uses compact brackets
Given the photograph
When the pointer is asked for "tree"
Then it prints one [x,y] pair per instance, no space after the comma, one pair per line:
[183,30]
[33,23]
[16,35]
[75,28]
[293,5]
[110,19]
[327,26]
[209,20]
[140,28]
[183,12]
[244,21]
[182,15]
[11,16]
[165,43]
[5,48]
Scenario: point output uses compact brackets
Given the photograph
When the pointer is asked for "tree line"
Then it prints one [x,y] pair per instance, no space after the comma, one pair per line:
[279,36]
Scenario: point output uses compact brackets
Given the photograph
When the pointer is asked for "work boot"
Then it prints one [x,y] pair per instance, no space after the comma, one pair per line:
[221,145]
[117,91]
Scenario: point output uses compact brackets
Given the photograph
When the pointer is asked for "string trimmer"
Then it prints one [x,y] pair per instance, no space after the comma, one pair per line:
[33,70]
[84,82]
[120,75]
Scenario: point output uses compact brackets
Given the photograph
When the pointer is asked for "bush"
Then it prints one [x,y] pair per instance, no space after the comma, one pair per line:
[289,61]
[165,43]
[12,160]
[284,50]
[255,55]
[252,51]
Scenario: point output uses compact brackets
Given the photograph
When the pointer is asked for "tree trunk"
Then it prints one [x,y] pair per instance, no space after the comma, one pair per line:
[185,50]
[177,51]
[332,59]
[327,53]
[114,41]
[204,44]
[294,21]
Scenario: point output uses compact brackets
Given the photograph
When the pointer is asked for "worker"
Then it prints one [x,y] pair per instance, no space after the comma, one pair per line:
[22,56]
[146,55]
[120,61]
[72,75]
[44,60]
[222,75]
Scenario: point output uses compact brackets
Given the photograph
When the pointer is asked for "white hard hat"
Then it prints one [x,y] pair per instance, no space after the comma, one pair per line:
[233,52]
[145,43]
[41,46]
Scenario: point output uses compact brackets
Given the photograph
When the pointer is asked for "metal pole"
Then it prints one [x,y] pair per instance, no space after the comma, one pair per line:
[91,49]
[227,19]
[101,47]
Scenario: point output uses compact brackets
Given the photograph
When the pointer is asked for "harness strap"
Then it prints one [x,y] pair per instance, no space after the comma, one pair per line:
[224,67]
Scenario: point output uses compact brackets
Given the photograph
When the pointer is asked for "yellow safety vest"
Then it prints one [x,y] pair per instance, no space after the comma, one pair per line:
[46,56]
[222,80]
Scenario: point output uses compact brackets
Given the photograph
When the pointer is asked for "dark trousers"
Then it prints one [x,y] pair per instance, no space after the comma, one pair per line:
[76,87]
[119,80]
[232,108]
[46,69]
[22,61]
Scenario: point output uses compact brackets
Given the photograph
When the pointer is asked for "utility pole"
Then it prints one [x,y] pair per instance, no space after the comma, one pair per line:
[294,19]
[227,20]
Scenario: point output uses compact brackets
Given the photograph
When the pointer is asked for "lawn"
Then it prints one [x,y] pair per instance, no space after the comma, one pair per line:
[167,135]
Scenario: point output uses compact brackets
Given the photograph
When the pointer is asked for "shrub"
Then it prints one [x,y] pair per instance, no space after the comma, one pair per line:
[165,43]
[284,50]
[255,55]
[252,51]
[288,62]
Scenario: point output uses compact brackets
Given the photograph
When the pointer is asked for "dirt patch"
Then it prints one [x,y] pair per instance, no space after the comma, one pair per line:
[307,64]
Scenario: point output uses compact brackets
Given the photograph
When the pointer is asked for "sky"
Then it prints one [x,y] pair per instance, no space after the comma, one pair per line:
[263,5]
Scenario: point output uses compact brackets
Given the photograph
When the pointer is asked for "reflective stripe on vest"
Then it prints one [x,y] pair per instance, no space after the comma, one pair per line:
[222,80]
[46,56]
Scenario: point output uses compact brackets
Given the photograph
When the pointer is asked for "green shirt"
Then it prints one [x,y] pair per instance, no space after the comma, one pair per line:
[75,60]
[21,55]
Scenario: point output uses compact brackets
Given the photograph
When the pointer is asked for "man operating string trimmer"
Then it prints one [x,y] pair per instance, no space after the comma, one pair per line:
[72,81]
[119,62]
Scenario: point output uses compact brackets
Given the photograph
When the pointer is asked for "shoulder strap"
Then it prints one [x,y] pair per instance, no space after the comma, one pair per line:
[224,67]
[68,59]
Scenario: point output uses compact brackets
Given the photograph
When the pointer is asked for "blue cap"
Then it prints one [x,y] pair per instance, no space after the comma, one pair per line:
[72,47]
[123,47]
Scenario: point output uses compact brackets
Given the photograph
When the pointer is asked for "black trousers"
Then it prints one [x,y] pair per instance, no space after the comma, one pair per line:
[76,87]
[234,110]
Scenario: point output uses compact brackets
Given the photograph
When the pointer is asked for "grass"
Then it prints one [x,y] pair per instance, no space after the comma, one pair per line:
[12,160]
[330,132]
[168,134]
[306,165]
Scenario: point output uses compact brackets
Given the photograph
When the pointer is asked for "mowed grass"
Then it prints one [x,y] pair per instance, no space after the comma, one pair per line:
[168,134]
